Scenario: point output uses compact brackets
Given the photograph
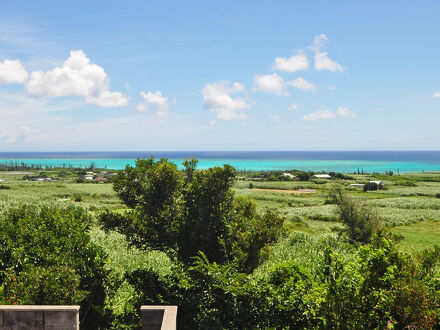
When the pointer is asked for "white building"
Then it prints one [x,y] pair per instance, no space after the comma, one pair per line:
[322,176]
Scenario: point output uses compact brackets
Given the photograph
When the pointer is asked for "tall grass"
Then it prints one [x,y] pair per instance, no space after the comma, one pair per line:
[307,250]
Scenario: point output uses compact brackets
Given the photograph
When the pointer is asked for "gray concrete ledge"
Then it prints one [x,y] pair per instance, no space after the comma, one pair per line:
[159,317]
[41,317]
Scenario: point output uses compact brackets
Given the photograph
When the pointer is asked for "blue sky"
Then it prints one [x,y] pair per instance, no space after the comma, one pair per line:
[229,75]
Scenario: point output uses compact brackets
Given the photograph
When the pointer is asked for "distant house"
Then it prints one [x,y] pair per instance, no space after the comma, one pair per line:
[322,176]
[88,177]
[357,185]
[376,182]
[289,175]
[100,179]
[38,179]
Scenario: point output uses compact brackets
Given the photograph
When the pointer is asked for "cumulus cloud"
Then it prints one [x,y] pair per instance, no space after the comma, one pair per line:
[345,113]
[323,62]
[291,64]
[436,94]
[303,84]
[154,102]
[12,72]
[217,98]
[270,83]
[341,112]
[76,77]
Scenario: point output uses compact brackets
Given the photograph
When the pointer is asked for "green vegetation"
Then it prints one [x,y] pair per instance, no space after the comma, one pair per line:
[47,258]
[182,214]
[286,253]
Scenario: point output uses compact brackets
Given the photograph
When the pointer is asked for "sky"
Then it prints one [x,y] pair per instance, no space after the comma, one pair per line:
[219,75]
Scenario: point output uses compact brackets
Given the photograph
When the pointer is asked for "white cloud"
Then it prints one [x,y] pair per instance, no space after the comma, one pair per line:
[154,102]
[291,64]
[274,118]
[320,115]
[270,83]
[346,113]
[436,94]
[323,62]
[293,107]
[76,77]
[217,99]
[341,112]
[303,84]
[12,72]
[318,42]
[331,88]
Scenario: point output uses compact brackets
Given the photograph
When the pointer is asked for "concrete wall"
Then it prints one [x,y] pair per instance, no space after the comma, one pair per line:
[159,317]
[15,317]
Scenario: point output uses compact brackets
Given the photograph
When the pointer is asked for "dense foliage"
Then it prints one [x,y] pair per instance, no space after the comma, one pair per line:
[381,288]
[183,214]
[46,257]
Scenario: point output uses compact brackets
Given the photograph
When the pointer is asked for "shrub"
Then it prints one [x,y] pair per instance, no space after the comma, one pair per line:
[77,197]
[371,186]
[361,221]
[47,258]
[4,187]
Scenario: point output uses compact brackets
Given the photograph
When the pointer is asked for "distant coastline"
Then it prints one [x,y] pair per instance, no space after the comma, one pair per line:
[338,161]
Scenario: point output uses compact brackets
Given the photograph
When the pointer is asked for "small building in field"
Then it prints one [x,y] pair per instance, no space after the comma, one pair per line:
[357,185]
[88,177]
[322,176]
[289,175]
[100,179]
[376,182]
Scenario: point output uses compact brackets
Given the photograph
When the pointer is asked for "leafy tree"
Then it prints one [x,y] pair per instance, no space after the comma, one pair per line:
[303,176]
[371,186]
[361,221]
[184,213]
[46,257]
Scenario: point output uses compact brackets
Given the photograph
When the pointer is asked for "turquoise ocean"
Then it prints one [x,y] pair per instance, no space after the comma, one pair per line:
[338,161]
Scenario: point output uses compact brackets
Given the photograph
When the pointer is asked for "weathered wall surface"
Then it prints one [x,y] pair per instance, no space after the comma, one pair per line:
[14,317]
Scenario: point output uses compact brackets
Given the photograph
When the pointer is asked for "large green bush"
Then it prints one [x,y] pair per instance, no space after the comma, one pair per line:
[183,214]
[46,257]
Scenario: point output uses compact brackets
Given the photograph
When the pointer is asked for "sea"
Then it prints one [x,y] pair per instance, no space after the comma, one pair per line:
[317,161]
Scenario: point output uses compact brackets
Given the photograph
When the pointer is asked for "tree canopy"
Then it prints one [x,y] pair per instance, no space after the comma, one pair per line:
[183,213]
